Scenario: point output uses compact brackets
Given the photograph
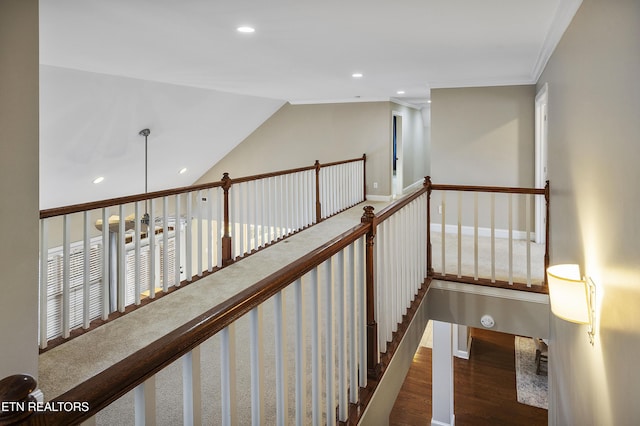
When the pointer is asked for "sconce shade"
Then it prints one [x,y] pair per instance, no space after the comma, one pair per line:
[568,293]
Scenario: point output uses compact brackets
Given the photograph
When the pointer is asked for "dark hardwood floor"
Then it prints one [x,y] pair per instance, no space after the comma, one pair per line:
[484,387]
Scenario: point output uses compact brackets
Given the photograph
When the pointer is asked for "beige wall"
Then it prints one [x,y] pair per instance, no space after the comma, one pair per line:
[594,149]
[483,136]
[297,135]
[19,187]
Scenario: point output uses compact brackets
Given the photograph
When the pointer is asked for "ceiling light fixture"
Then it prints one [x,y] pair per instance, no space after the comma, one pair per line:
[400,92]
[429,101]
[98,179]
[246,29]
[356,75]
[183,170]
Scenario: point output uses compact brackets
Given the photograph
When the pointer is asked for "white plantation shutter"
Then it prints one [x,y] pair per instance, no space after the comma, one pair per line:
[76,285]
[171,270]
[130,270]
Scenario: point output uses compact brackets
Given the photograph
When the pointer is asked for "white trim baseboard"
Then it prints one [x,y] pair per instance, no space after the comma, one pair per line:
[482,232]
[437,423]
[381,198]
[413,187]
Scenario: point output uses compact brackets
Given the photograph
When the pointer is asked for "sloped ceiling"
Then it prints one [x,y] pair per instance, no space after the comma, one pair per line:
[111,68]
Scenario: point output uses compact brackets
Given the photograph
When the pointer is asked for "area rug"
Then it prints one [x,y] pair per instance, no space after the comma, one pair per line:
[532,389]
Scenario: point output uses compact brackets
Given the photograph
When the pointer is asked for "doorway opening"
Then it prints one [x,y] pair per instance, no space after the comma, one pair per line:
[541,123]
[396,154]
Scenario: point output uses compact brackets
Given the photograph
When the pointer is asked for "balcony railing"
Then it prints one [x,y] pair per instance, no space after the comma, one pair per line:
[100,259]
[349,297]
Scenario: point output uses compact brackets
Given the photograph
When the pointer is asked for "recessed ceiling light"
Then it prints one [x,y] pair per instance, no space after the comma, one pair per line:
[246,29]
[429,101]
[183,170]
[400,92]
[98,179]
[356,75]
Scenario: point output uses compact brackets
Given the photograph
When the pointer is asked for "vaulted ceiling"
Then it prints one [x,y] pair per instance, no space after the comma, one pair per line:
[300,52]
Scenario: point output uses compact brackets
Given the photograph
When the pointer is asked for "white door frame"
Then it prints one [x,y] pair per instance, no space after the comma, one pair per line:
[541,137]
[397,184]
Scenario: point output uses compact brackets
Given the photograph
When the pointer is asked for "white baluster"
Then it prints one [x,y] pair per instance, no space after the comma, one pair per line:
[165,244]
[257,366]
[151,233]
[341,321]
[352,309]
[493,237]
[300,354]
[189,238]
[316,381]
[177,235]
[442,231]
[282,409]
[44,280]
[137,254]
[362,304]
[86,273]
[145,403]
[191,385]
[459,234]
[527,220]
[66,274]
[329,359]
[105,264]
[228,375]
[210,207]
[475,236]
[122,291]
[510,239]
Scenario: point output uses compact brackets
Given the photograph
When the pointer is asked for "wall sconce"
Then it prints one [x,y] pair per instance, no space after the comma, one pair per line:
[572,297]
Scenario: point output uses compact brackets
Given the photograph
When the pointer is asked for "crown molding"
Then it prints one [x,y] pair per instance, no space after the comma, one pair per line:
[561,20]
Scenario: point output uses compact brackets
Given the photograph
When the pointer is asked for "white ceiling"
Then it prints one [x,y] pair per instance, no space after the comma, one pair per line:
[110,68]
[305,51]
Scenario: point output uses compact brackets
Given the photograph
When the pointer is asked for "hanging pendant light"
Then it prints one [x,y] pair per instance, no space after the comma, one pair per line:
[145,133]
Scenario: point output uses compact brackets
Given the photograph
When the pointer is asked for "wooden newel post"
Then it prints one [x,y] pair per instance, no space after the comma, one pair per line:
[227,258]
[546,235]
[427,184]
[373,366]
[318,205]
[16,398]
[364,177]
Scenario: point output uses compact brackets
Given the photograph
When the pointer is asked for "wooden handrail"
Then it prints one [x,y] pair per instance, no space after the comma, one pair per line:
[77,208]
[499,189]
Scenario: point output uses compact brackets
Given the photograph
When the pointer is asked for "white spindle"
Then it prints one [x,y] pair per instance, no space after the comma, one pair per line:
[442,233]
[257,366]
[177,233]
[510,239]
[329,359]
[300,354]
[188,263]
[137,254]
[493,237]
[282,410]
[165,244]
[122,292]
[66,274]
[105,264]
[352,309]
[191,385]
[200,248]
[527,220]
[210,206]
[341,344]
[86,273]
[316,381]
[228,375]
[44,280]
[459,234]
[151,233]
[244,222]
[362,317]
[145,403]
[475,236]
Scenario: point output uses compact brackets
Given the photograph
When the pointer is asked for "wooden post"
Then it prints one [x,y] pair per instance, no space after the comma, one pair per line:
[318,205]
[546,236]
[427,184]
[227,258]
[16,398]
[373,366]
[364,179]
